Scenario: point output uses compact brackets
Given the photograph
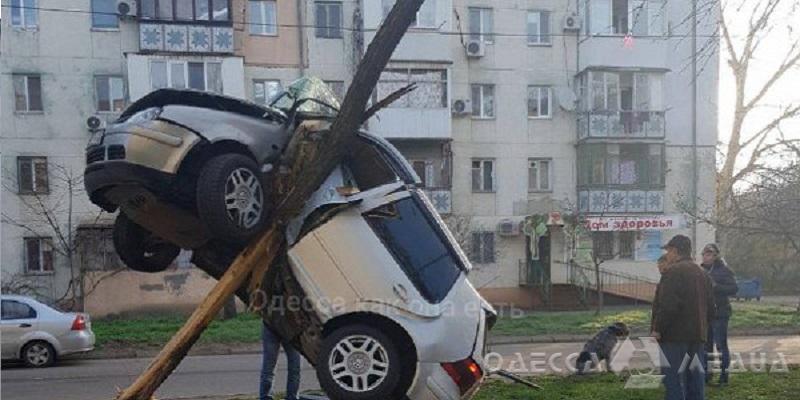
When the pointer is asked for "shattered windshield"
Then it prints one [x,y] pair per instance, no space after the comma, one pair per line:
[316,97]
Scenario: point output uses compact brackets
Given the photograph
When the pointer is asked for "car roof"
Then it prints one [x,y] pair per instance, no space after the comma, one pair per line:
[194,98]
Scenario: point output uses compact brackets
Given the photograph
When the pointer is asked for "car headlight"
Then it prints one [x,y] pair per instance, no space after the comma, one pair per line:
[145,115]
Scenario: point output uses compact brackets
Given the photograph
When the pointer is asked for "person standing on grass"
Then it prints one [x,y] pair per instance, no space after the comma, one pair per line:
[271,344]
[682,311]
[724,287]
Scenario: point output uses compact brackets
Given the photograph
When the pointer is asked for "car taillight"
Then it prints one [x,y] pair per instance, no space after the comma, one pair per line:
[465,373]
[79,323]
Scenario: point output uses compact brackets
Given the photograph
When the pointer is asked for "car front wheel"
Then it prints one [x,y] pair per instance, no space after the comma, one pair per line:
[38,354]
[140,249]
[231,198]
[360,362]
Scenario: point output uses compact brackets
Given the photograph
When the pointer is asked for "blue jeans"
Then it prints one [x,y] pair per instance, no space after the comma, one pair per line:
[718,336]
[684,377]
[271,344]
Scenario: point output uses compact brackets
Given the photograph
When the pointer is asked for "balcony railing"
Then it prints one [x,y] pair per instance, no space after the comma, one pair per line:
[620,201]
[185,37]
[441,199]
[621,124]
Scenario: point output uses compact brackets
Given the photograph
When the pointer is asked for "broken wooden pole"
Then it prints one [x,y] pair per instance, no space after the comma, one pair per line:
[308,163]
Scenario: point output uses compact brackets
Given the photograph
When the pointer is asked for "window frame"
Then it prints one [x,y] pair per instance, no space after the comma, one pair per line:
[27,86]
[486,37]
[186,73]
[405,101]
[544,39]
[25,11]
[332,84]
[110,96]
[481,170]
[193,20]
[39,240]
[262,24]
[427,5]
[324,31]
[482,112]
[591,155]
[264,82]
[549,91]
[112,27]
[479,250]
[537,162]
[34,190]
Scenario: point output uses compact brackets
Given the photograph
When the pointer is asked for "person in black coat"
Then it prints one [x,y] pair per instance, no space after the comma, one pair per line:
[724,287]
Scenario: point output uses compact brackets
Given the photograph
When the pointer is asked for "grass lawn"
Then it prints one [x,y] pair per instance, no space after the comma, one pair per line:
[745,316]
[745,386]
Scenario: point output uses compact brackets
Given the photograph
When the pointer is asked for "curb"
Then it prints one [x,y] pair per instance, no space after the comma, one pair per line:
[501,340]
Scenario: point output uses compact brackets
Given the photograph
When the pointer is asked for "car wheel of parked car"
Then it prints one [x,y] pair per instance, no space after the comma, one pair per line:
[360,362]
[38,354]
[140,249]
[231,198]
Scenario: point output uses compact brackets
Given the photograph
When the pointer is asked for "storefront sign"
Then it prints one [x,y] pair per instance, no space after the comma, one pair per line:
[643,223]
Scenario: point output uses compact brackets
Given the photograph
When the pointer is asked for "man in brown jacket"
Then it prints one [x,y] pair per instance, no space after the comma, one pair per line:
[682,311]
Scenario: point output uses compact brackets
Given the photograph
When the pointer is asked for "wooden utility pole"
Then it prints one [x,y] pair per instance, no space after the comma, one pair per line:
[309,159]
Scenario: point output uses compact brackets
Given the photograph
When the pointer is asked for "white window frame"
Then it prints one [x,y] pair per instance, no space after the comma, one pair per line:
[109,78]
[23,9]
[185,67]
[27,85]
[479,101]
[34,161]
[265,82]
[44,242]
[262,27]
[540,38]
[324,31]
[481,171]
[478,250]
[486,16]
[535,164]
[427,6]
[538,90]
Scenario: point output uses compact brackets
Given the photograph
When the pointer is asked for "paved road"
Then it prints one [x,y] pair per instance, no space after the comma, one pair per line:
[238,374]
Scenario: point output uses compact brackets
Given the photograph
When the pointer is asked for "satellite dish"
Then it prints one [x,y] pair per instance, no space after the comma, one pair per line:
[566,98]
[93,122]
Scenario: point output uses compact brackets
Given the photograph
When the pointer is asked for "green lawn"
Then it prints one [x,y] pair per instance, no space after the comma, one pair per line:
[745,316]
[745,386]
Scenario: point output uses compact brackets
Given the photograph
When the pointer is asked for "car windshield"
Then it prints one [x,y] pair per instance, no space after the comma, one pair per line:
[314,96]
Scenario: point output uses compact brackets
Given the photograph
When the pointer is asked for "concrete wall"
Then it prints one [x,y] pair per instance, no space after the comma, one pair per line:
[281,50]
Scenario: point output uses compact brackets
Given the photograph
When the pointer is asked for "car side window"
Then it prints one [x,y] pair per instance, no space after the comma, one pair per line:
[368,167]
[16,310]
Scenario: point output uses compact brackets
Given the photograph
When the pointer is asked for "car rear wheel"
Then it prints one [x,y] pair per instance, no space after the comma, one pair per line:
[231,197]
[140,249]
[361,362]
[38,354]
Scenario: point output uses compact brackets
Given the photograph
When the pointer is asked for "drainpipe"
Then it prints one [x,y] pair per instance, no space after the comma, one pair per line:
[695,176]
[301,37]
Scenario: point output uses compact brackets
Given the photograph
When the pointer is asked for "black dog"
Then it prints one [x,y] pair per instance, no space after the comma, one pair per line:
[601,345]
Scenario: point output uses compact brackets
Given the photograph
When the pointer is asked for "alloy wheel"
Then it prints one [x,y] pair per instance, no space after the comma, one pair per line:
[358,363]
[244,198]
[38,354]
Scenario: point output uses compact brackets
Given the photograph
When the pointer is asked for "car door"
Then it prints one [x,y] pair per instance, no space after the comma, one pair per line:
[18,319]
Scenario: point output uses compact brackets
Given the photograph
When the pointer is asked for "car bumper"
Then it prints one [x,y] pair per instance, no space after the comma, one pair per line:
[77,342]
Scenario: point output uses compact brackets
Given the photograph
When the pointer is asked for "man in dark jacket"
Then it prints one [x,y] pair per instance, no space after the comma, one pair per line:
[724,287]
[682,311]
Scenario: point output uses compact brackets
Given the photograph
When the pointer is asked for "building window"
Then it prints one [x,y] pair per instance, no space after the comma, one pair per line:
[329,19]
[110,93]
[431,89]
[626,91]
[38,254]
[27,93]
[483,175]
[482,101]
[265,90]
[635,165]
[481,26]
[538,27]
[104,14]
[337,87]
[539,175]
[24,13]
[199,75]
[622,17]
[263,17]
[627,245]
[185,10]
[603,245]
[539,101]
[425,18]
[482,248]
[32,175]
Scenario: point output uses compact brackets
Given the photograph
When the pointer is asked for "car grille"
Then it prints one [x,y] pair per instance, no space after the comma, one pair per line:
[95,154]
[116,152]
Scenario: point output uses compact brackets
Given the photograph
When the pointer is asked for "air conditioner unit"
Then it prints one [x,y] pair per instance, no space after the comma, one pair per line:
[461,107]
[475,48]
[507,227]
[126,8]
[95,123]
[572,22]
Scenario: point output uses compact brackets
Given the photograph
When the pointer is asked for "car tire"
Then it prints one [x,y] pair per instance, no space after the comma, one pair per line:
[358,362]
[140,249]
[231,197]
[38,354]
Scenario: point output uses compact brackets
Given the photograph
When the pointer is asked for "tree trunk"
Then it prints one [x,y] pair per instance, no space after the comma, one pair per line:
[309,159]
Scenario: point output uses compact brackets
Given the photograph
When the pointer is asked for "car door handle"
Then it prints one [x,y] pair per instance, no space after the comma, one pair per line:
[25,325]
[401,292]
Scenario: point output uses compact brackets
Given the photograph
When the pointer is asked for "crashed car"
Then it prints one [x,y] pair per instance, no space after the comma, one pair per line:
[372,287]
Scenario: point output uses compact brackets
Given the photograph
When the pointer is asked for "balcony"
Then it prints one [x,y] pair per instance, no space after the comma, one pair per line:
[198,38]
[615,201]
[441,199]
[621,124]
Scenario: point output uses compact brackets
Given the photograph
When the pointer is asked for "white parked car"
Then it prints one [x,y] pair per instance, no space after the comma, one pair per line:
[38,335]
